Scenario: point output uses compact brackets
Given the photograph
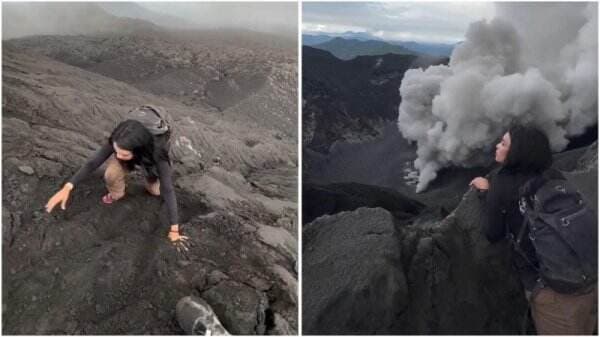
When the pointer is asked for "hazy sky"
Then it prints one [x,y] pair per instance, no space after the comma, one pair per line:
[262,16]
[34,18]
[416,21]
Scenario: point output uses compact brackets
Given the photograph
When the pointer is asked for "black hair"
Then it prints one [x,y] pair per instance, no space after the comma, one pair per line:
[131,135]
[529,150]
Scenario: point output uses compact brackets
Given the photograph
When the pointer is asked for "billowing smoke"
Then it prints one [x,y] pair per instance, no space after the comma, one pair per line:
[534,63]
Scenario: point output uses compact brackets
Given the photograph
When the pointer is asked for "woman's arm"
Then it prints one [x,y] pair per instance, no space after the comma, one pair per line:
[62,196]
[493,211]
[168,194]
[100,157]
[167,191]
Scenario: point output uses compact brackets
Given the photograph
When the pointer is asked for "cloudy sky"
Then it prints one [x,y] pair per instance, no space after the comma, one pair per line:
[261,16]
[444,22]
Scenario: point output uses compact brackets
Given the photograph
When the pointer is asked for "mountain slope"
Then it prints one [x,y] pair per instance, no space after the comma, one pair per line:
[311,40]
[347,99]
[210,70]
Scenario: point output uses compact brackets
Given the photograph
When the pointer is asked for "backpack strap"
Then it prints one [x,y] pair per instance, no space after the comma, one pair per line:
[154,110]
[516,243]
[524,202]
[531,185]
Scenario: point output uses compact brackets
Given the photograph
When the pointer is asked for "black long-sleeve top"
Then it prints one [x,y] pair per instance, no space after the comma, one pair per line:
[501,213]
[167,191]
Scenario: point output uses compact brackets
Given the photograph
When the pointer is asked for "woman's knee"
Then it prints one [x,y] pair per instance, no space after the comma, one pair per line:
[114,171]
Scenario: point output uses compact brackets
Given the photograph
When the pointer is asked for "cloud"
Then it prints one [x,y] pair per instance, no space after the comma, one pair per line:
[330,28]
[420,21]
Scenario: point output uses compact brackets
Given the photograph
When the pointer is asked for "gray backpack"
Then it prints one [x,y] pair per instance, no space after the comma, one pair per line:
[564,232]
[154,118]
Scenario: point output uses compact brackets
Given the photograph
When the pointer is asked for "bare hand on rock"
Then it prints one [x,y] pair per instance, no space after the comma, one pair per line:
[61,197]
[179,241]
[480,183]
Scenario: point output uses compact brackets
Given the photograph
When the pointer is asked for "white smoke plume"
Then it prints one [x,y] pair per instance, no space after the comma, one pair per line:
[534,63]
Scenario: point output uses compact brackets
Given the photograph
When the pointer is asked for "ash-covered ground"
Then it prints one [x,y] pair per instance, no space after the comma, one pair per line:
[98,269]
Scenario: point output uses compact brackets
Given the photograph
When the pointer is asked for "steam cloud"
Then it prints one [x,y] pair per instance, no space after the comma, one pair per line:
[532,64]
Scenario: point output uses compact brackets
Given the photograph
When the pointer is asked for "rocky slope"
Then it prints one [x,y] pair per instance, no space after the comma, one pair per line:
[418,277]
[238,75]
[99,269]
[347,100]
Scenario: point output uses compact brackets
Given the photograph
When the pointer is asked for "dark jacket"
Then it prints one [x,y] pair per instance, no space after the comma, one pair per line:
[501,214]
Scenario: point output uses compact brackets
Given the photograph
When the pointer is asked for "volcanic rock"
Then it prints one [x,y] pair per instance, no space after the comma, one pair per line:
[444,276]
[238,306]
[335,198]
[27,170]
[353,282]
[117,271]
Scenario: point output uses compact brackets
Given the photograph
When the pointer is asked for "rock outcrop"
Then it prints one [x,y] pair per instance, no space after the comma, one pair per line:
[426,277]
[350,272]
[334,198]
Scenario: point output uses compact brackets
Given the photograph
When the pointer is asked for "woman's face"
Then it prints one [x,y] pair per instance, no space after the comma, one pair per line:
[122,154]
[502,148]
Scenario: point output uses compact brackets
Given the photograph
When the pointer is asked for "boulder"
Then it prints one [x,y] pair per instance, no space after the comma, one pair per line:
[353,283]
[241,309]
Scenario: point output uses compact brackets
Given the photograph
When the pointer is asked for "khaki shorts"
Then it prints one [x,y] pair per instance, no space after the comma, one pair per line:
[115,178]
[561,314]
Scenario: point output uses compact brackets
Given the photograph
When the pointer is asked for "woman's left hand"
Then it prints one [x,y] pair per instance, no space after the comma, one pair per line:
[177,239]
[480,183]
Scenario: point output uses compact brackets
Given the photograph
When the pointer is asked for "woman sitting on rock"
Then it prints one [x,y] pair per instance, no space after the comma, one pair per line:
[130,144]
[524,153]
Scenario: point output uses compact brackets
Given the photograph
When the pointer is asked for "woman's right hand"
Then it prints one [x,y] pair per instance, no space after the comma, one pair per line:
[60,197]
[480,183]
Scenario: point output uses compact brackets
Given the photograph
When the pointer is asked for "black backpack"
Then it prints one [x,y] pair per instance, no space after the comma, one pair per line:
[563,230]
[158,121]
[154,118]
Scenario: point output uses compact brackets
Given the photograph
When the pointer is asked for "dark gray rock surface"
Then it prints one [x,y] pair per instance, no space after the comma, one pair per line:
[352,283]
[239,306]
[110,269]
[335,198]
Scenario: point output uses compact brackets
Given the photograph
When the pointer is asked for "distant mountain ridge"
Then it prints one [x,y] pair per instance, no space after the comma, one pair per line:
[312,39]
[429,48]
[434,49]
[347,49]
